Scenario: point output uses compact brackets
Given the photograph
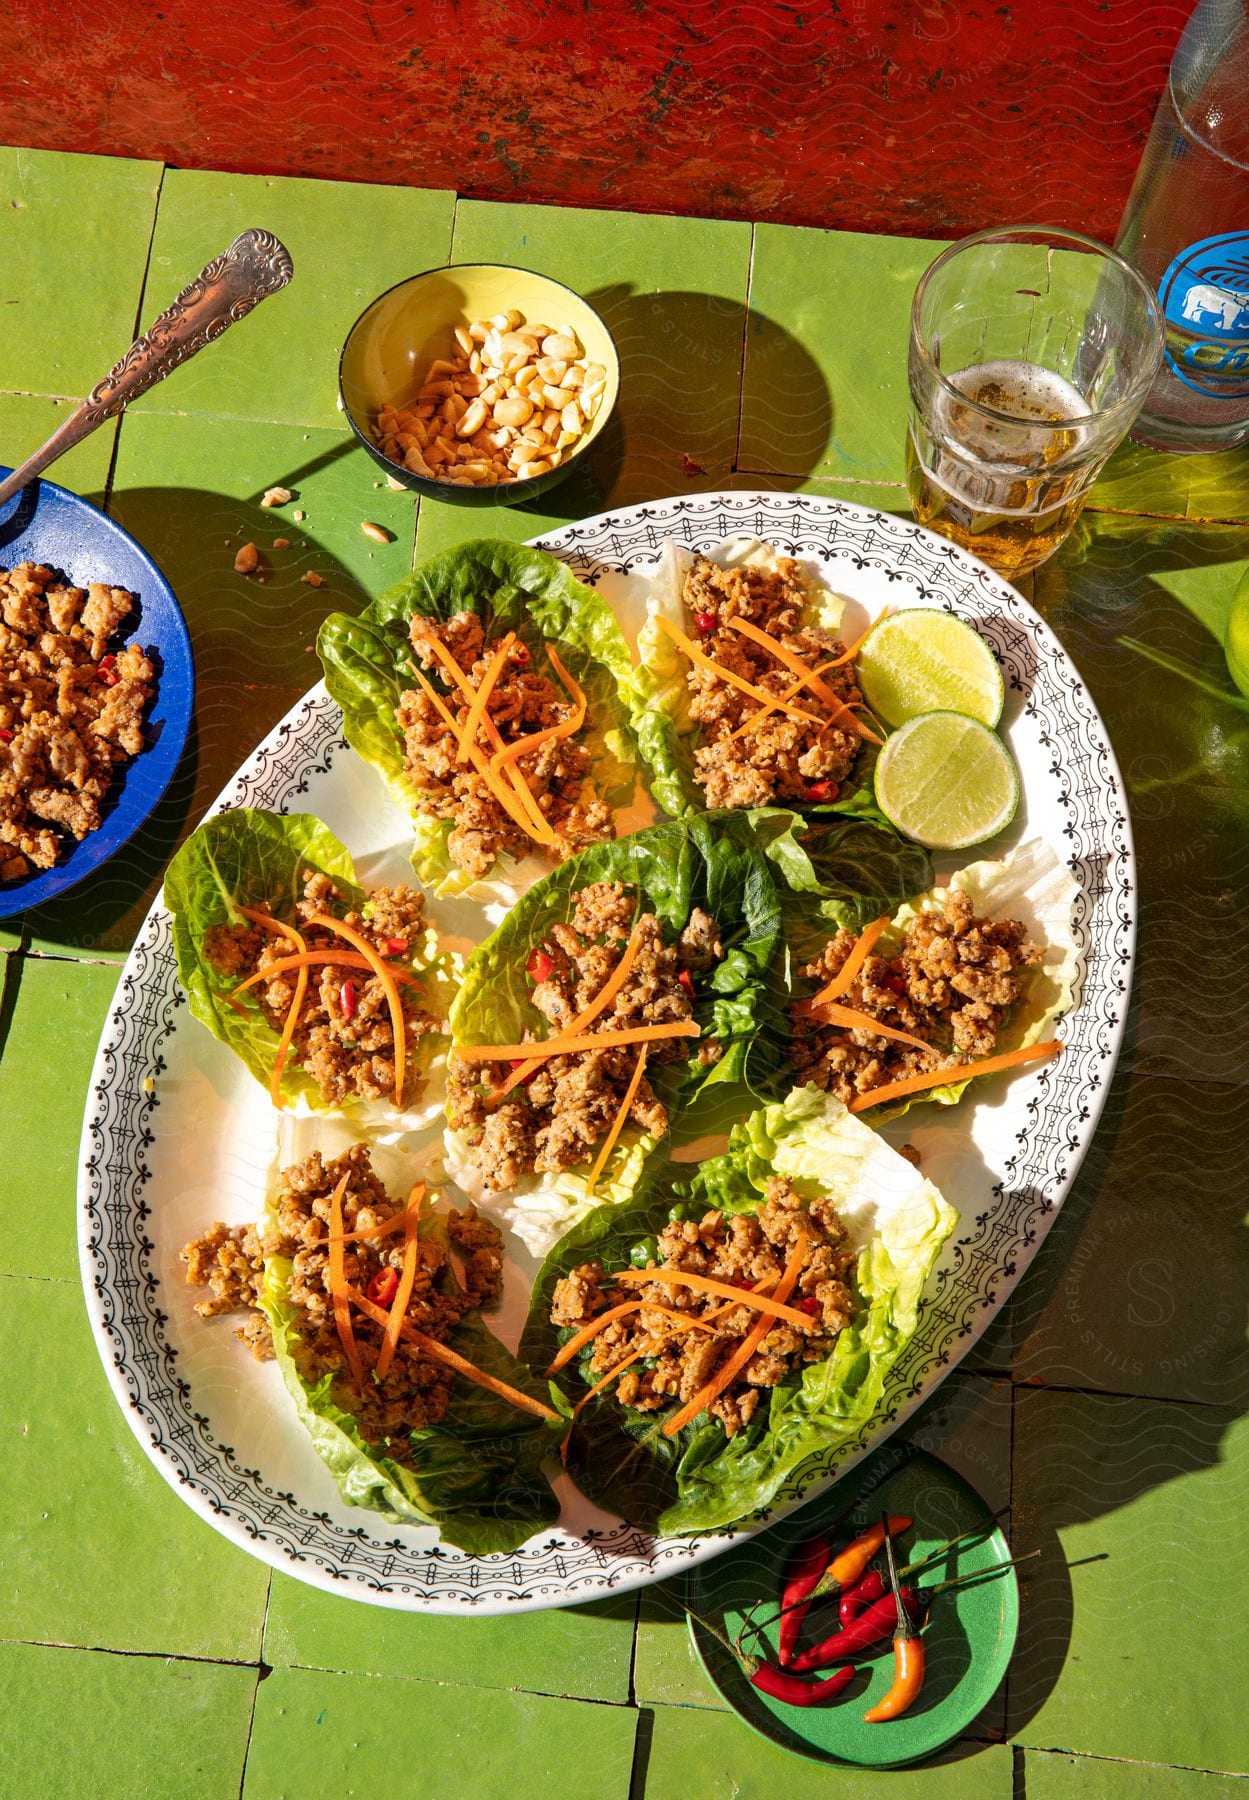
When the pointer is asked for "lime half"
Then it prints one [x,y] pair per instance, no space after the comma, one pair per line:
[924,661]
[1236,637]
[947,781]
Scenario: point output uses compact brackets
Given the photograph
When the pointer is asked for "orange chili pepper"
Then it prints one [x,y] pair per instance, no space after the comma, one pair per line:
[848,1565]
[909,1657]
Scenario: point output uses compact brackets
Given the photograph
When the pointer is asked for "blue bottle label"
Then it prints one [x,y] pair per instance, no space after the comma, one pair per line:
[1205,300]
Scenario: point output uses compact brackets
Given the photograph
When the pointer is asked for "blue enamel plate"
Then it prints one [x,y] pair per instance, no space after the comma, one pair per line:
[48,524]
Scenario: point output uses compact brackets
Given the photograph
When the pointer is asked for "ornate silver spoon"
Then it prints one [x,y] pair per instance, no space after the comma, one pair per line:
[255,265]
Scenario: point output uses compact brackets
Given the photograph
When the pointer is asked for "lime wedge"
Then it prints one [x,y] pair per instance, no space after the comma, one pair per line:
[947,781]
[924,661]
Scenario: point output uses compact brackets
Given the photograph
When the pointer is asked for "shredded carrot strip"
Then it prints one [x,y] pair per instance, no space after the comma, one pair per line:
[707,1284]
[818,686]
[407,1275]
[345,959]
[442,1353]
[990,1065]
[533,823]
[746,1349]
[850,1019]
[581,1338]
[609,1142]
[477,708]
[738,681]
[397,1222]
[570,1046]
[509,800]
[568,727]
[844,978]
[267,922]
[387,978]
[339,1290]
[776,702]
[601,1001]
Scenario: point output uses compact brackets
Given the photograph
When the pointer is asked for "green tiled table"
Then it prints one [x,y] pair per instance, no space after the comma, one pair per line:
[140,1654]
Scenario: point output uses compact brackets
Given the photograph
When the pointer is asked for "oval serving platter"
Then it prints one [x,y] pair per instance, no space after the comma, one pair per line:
[176,1133]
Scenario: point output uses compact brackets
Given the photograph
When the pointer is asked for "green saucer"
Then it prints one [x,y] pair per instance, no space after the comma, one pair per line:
[969,1641]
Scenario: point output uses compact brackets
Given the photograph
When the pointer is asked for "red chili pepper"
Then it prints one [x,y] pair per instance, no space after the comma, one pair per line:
[383,1287]
[848,1564]
[823,790]
[347,998]
[394,946]
[792,1688]
[706,621]
[880,1619]
[687,982]
[852,1602]
[106,669]
[6,736]
[806,1565]
[539,965]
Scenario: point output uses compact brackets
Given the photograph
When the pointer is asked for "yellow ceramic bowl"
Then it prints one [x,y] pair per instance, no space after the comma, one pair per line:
[396,338]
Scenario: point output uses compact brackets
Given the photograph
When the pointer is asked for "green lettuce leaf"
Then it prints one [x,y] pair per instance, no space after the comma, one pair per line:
[715,861]
[701,1480]
[666,732]
[476,1475]
[368,665]
[247,857]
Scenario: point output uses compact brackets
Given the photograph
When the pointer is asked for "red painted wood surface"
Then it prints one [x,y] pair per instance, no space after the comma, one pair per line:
[913,116]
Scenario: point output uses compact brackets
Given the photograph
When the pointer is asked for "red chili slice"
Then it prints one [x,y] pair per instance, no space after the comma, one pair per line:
[519,654]
[347,999]
[6,736]
[705,621]
[394,946]
[539,965]
[808,1304]
[106,669]
[687,982]
[383,1287]
[823,790]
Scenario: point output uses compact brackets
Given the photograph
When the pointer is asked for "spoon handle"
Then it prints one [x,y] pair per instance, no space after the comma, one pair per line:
[255,265]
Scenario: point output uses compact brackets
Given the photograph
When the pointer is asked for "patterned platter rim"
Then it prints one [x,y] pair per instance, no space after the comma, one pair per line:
[373,1560]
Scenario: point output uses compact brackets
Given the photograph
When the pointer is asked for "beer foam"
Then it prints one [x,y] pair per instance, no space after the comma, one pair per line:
[1028,391]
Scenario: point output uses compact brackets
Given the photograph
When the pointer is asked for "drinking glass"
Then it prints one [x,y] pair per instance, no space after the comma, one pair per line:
[1031,353]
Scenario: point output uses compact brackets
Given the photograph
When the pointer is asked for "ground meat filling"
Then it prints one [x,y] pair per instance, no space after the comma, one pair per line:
[71,710]
[415,1391]
[521,702]
[746,1250]
[782,758]
[953,983]
[557,1118]
[344,1037]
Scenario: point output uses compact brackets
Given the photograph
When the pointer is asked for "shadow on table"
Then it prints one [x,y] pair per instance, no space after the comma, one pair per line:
[253,648]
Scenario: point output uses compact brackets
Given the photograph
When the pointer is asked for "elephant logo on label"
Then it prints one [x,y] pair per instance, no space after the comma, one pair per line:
[1216,309]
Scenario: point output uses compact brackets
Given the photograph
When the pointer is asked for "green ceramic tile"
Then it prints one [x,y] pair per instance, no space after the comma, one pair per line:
[1140,1285]
[27,419]
[101,918]
[825,390]
[1131,1616]
[349,242]
[76,237]
[86,1725]
[47,1063]
[1056,1777]
[1140,480]
[665,1668]
[190,491]
[98,1550]
[683,1753]
[672,292]
[320,1734]
[582,1651]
